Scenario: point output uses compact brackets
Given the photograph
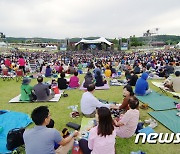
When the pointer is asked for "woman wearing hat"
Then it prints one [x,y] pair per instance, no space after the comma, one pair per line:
[25,89]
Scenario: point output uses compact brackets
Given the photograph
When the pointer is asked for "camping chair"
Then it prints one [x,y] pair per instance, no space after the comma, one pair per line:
[162,90]
[6,75]
[19,74]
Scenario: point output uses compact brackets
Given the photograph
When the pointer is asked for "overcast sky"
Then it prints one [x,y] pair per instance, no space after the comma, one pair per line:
[83,18]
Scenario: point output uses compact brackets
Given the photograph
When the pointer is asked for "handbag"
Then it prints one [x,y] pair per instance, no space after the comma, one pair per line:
[73,125]
[32,95]
[15,138]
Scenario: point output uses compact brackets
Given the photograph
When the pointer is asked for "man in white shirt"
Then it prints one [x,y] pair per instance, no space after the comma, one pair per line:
[89,103]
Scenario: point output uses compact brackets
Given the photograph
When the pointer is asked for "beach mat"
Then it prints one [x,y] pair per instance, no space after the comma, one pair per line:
[157,101]
[56,98]
[85,123]
[116,82]
[168,118]
[105,87]
[10,120]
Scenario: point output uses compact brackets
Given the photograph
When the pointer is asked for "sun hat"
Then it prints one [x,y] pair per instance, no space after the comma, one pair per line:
[26,81]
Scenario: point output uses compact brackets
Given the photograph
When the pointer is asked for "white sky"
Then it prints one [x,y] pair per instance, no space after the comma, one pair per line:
[83,18]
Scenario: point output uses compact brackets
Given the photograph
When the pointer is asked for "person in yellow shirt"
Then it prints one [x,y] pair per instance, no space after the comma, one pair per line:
[107,72]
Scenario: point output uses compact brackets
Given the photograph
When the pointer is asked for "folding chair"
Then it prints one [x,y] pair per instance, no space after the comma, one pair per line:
[19,74]
[6,75]
[163,91]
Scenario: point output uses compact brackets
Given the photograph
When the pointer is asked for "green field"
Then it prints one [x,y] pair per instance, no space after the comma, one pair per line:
[61,114]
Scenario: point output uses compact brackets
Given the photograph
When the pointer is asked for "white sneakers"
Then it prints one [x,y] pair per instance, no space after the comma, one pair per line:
[178,114]
[152,123]
[148,121]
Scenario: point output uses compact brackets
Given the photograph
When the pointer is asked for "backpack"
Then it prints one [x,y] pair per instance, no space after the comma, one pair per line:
[15,138]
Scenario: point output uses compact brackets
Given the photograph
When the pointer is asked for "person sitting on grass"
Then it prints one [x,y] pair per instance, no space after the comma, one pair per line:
[101,137]
[108,72]
[25,90]
[132,79]
[127,93]
[88,79]
[89,103]
[126,125]
[99,80]
[62,82]
[74,81]
[174,83]
[48,71]
[41,140]
[42,90]
[142,86]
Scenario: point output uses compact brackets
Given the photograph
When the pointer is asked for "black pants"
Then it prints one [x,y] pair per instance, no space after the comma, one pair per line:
[83,144]
[23,68]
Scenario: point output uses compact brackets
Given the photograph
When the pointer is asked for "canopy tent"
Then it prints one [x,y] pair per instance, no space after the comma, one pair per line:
[100,44]
[51,47]
[99,40]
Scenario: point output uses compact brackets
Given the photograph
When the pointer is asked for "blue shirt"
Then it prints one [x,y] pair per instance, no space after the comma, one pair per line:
[141,85]
[40,140]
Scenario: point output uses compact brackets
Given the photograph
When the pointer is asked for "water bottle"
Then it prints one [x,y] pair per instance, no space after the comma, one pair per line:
[76,149]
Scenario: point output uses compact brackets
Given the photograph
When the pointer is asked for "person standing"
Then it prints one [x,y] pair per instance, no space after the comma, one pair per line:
[22,63]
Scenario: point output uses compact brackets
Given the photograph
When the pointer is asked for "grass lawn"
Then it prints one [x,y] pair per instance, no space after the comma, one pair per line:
[60,114]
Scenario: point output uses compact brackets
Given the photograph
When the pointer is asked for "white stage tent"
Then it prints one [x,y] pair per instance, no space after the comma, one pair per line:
[99,40]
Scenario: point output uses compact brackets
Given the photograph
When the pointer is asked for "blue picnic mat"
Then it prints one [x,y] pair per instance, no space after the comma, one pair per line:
[168,118]
[157,101]
[8,121]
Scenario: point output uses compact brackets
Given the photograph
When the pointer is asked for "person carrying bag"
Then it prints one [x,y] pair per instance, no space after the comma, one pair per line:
[26,91]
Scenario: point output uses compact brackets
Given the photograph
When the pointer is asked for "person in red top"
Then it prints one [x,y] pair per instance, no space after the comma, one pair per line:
[74,81]
[7,63]
[22,63]
[61,68]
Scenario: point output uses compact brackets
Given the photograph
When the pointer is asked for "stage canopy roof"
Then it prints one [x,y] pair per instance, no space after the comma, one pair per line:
[99,40]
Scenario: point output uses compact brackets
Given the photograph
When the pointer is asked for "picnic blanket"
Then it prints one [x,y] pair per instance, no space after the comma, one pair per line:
[105,87]
[86,123]
[156,78]
[54,99]
[161,86]
[168,118]
[157,101]
[8,121]
[116,82]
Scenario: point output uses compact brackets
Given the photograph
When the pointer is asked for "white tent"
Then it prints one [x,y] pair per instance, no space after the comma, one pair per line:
[178,45]
[3,44]
[99,40]
[51,47]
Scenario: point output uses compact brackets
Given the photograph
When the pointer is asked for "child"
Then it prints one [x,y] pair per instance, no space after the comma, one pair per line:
[54,86]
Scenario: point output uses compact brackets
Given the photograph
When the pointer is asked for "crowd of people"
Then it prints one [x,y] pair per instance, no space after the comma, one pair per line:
[97,66]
